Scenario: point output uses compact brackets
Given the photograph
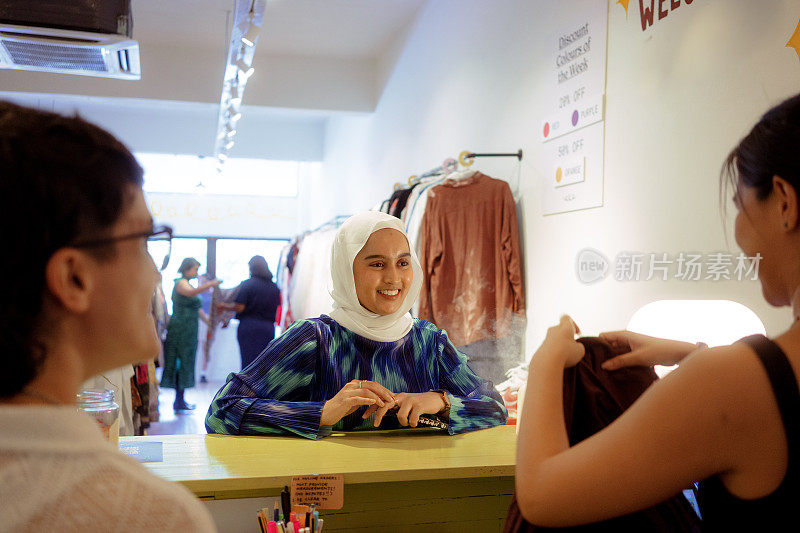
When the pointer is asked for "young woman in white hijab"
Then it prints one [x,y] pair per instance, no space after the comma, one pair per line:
[346,371]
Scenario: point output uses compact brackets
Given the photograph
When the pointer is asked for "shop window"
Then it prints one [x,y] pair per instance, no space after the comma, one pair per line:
[234,254]
[191,174]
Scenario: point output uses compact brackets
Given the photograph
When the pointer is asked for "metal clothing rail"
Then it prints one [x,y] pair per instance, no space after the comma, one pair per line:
[449,165]
[467,155]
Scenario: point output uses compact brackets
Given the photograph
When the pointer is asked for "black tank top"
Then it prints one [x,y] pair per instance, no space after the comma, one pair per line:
[777,511]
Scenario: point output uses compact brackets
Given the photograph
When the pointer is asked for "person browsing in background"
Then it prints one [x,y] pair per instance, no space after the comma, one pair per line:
[347,370]
[180,349]
[728,417]
[79,305]
[256,305]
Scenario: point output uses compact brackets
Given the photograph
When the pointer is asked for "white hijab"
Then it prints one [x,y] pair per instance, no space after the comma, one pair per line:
[347,310]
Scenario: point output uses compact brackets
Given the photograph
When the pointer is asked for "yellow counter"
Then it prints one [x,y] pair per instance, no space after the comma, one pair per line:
[394,480]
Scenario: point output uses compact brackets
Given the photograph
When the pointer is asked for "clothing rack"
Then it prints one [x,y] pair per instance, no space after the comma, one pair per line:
[466,155]
[450,165]
[447,166]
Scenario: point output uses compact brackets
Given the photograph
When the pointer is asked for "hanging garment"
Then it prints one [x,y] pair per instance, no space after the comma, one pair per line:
[415,209]
[282,276]
[158,308]
[412,217]
[399,199]
[309,286]
[219,317]
[593,398]
[470,255]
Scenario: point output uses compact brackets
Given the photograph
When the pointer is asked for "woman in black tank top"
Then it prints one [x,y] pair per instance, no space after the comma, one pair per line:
[728,418]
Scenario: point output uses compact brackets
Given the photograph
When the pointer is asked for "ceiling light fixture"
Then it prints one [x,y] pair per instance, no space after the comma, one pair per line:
[228,132]
[245,68]
[247,22]
[236,97]
[251,34]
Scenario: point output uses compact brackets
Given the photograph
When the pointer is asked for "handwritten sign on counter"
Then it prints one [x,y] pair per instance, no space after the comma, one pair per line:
[323,491]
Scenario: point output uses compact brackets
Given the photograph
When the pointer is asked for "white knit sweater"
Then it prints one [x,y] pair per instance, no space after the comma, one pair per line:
[57,473]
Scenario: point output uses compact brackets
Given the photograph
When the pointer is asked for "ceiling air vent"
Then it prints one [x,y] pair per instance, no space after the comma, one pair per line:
[68,52]
[86,37]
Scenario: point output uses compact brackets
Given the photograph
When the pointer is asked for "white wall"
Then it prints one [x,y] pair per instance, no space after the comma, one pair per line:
[470,74]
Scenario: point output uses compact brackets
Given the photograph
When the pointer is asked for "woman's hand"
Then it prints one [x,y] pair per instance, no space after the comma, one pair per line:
[213,283]
[413,404]
[560,343]
[637,349]
[352,396]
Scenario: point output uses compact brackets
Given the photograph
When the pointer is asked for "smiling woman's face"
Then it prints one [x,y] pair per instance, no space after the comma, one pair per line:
[382,271]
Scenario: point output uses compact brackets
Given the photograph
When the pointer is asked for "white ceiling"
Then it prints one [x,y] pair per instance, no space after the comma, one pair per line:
[313,58]
[311,54]
[343,28]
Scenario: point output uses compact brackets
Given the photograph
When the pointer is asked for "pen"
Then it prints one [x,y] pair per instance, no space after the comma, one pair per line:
[275,513]
[286,501]
[319,526]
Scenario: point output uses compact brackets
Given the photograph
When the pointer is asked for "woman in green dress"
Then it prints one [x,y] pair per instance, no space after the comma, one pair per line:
[180,347]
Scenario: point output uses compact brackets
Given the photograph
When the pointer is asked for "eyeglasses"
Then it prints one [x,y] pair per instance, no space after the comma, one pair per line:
[159,240]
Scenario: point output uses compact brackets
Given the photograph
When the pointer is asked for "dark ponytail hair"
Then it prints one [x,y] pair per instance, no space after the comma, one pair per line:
[772,148]
[62,180]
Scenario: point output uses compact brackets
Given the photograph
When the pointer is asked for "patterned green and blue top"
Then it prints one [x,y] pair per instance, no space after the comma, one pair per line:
[283,391]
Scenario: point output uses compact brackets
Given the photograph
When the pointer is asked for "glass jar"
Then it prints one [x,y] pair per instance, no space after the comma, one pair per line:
[101,405]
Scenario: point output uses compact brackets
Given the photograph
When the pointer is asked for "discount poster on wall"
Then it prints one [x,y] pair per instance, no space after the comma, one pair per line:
[572,130]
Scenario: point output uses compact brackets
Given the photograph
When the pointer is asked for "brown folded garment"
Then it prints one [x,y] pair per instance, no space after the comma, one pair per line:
[593,398]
